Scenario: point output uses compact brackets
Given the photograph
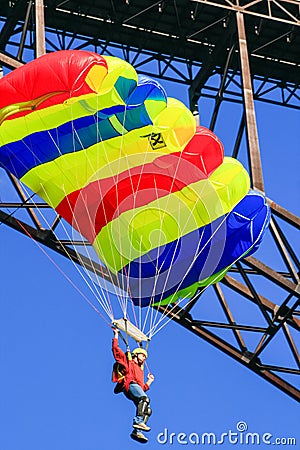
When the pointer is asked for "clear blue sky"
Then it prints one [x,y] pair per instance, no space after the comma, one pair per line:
[56,359]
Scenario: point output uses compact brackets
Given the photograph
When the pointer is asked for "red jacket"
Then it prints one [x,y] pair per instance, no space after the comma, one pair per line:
[133,372]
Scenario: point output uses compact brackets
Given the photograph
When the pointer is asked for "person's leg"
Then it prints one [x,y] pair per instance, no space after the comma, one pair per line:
[147,414]
[143,410]
[141,401]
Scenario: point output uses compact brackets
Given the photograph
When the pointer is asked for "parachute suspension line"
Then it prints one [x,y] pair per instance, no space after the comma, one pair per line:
[140,296]
[156,328]
[174,253]
[138,320]
[160,237]
[25,188]
[171,264]
[97,296]
[124,301]
[140,281]
[119,295]
[149,309]
[63,273]
[99,140]
[127,272]
[147,366]
[123,304]
[106,289]
[197,253]
[135,190]
[145,362]
[158,269]
[103,294]
[133,309]
[74,264]
[191,264]
[223,272]
[117,197]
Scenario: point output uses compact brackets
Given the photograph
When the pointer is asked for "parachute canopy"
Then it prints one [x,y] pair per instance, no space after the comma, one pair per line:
[126,167]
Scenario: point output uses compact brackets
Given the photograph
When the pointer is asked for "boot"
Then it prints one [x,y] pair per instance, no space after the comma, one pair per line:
[141,426]
[139,437]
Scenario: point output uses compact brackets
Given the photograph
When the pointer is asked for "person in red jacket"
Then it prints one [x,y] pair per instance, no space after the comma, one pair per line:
[134,387]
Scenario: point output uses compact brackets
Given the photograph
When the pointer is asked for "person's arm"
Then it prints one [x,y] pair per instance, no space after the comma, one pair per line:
[150,379]
[118,353]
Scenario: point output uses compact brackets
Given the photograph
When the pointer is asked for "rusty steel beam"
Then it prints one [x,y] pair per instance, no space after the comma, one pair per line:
[242,355]
[48,238]
[199,81]
[220,94]
[25,30]
[251,126]
[40,28]
[270,14]
[229,316]
[23,205]
[24,199]
[292,344]
[282,239]
[272,275]
[281,245]
[280,313]
[10,62]
[284,214]
[273,330]
[245,292]
[244,358]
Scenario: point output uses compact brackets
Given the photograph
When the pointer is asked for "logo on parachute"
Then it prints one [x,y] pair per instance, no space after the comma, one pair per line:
[156,140]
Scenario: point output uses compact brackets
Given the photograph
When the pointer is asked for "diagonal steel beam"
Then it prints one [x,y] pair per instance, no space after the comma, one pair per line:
[245,292]
[240,356]
[48,238]
[9,61]
[272,275]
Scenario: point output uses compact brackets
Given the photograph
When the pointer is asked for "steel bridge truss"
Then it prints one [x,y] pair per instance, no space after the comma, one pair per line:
[269,291]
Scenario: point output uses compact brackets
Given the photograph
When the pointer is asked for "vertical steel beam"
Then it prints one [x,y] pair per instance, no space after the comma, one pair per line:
[23,198]
[251,126]
[40,28]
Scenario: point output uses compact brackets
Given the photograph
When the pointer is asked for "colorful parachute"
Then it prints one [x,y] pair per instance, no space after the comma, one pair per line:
[123,164]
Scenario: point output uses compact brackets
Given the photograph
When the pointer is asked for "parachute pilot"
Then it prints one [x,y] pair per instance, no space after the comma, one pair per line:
[129,375]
